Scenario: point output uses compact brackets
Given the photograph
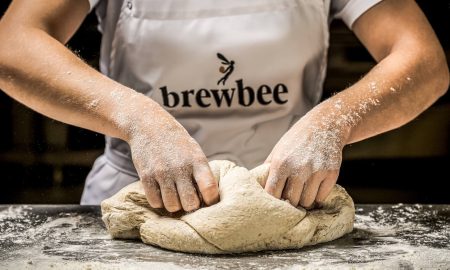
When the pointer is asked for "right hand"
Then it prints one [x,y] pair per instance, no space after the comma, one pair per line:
[169,161]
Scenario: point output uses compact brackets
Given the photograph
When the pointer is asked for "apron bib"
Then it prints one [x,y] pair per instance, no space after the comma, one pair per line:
[236,74]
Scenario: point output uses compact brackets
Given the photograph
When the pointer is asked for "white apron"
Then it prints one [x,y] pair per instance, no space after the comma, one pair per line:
[236,74]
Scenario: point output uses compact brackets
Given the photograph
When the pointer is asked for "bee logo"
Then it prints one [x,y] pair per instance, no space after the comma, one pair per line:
[226,70]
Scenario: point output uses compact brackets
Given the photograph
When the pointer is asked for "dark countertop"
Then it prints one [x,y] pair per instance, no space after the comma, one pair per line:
[73,236]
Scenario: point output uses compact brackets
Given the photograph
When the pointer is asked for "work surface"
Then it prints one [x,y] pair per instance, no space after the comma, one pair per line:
[62,236]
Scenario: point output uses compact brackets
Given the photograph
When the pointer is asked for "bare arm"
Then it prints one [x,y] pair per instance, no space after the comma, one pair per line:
[37,70]
[410,75]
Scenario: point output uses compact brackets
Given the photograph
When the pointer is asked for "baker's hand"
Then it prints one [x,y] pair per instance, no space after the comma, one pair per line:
[171,165]
[304,164]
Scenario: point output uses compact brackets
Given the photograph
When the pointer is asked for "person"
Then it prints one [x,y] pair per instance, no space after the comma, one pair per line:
[187,81]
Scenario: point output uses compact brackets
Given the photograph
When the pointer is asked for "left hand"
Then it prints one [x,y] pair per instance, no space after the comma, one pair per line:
[304,164]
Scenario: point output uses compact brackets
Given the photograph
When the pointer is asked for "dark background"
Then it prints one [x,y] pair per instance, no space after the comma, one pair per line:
[45,161]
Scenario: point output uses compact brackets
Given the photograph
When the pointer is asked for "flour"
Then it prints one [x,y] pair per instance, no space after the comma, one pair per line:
[77,240]
[324,149]
[20,215]
[163,152]
[402,220]
[121,118]
[21,219]
[338,104]
[373,87]
[93,104]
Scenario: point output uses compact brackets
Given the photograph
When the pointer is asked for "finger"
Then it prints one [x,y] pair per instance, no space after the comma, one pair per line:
[188,195]
[207,185]
[169,195]
[152,192]
[275,181]
[293,189]
[327,185]
[311,188]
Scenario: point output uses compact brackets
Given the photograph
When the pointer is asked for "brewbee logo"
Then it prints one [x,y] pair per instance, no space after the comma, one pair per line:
[226,70]
[234,94]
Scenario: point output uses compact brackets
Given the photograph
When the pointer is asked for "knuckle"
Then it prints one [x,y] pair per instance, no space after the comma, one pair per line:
[209,186]
[303,172]
[333,174]
[278,163]
[202,171]
[145,175]
[169,192]
[199,159]
[161,173]
[281,169]
[167,171]
[273,181]
[210,195]
[151,189]
[271,186]
[166,184]
[206,182]
[183,171]
[184,166]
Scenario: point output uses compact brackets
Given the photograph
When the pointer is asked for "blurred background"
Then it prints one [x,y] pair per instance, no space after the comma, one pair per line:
[45,161]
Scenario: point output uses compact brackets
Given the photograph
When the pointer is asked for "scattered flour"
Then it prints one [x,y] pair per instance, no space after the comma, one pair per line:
[385,237]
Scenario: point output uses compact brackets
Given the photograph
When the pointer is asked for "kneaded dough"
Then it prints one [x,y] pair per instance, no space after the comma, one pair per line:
[246,219]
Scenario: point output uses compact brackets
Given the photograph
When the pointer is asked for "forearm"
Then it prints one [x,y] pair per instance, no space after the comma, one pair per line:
[410,76]
[49,78]
[398,89]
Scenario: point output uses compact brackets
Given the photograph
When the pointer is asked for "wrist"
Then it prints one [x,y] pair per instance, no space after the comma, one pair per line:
[327,121]
[134,113]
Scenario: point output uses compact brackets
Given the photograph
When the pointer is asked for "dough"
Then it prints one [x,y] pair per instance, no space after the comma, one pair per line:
[246,218]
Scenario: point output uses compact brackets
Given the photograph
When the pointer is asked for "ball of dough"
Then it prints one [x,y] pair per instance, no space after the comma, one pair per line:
[246,219]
